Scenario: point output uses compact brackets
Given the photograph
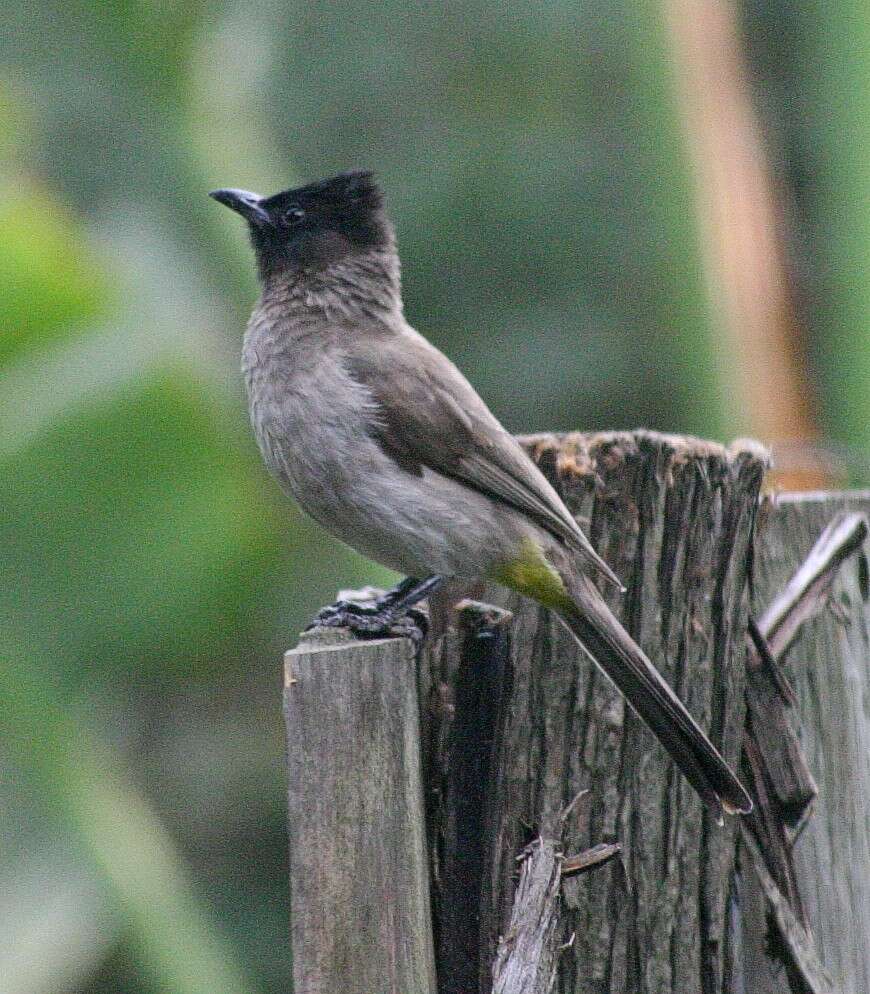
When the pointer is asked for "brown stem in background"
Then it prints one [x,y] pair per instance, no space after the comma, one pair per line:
[742,238]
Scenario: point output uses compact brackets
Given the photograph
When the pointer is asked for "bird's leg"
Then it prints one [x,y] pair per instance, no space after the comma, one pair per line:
[408,593]
[393,613]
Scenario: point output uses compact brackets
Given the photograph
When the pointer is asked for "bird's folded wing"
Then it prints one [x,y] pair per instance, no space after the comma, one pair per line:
[426,414]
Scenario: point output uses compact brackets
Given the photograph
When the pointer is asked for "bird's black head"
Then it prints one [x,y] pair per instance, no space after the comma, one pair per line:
[314,226]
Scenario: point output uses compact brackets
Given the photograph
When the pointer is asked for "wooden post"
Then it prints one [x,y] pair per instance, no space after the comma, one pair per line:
[535,771]
[674,517]
[359,883]
[824,942]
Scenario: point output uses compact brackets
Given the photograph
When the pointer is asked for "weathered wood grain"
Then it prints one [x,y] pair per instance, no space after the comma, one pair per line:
[828,665]
[525,962]
[516,722]
[459,777]
[361,919]
[674,517]
[527,955]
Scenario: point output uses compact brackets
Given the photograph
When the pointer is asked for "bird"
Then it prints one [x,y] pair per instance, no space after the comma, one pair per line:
[384,442]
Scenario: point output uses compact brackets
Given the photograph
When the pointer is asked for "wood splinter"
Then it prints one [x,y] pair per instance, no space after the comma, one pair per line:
[589,859]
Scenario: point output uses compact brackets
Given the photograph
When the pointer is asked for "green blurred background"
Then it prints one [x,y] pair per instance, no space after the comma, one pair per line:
[546,171]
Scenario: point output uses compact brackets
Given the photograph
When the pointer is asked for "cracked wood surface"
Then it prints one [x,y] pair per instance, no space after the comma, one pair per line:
[674,517]
[517,724]
[359,883]
[525,960]
[828,666]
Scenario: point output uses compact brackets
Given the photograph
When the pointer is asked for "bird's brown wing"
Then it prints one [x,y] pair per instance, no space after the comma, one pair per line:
[428,415]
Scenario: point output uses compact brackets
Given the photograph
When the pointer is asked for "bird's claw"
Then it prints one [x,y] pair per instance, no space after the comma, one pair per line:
[371,619]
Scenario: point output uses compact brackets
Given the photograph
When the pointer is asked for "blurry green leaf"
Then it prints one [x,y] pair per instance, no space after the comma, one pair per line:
[135,531]
[172,933]
[80,915]
[838,82]
[52,282]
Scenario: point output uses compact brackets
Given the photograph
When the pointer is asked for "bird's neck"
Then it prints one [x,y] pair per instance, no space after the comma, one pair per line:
[361,287]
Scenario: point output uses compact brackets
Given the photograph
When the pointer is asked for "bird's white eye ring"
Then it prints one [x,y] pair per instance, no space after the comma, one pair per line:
[294,215]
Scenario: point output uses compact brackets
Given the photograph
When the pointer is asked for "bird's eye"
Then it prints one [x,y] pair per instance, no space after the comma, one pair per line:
[294,215]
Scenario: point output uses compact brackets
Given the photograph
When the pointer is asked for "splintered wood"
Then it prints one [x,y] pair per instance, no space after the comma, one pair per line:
[674,517]
[806,904]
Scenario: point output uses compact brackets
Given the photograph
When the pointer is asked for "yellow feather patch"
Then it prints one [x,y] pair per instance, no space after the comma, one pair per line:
[532,575]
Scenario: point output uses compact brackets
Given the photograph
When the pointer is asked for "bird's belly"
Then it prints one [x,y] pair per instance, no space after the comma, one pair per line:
[417,525]
[323,454]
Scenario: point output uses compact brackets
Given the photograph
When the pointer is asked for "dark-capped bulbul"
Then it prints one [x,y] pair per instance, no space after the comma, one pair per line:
[385,443]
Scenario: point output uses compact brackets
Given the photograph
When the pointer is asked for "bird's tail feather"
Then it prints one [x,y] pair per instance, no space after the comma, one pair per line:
[598,631]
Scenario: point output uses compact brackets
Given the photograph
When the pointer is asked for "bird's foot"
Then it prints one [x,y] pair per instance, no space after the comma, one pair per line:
[366,620]
[371,613]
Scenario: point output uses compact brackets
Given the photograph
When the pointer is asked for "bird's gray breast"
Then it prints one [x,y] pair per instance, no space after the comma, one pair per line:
[312,422]
[315,425]
[308,415]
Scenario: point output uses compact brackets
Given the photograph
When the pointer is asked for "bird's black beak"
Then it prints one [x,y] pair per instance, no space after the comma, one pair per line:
[249,205]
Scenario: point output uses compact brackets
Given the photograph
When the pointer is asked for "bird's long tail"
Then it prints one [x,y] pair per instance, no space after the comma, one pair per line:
[598,631]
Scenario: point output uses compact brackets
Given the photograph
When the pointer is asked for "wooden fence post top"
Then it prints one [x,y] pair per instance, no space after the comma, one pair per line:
[361,920]
[340,640]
